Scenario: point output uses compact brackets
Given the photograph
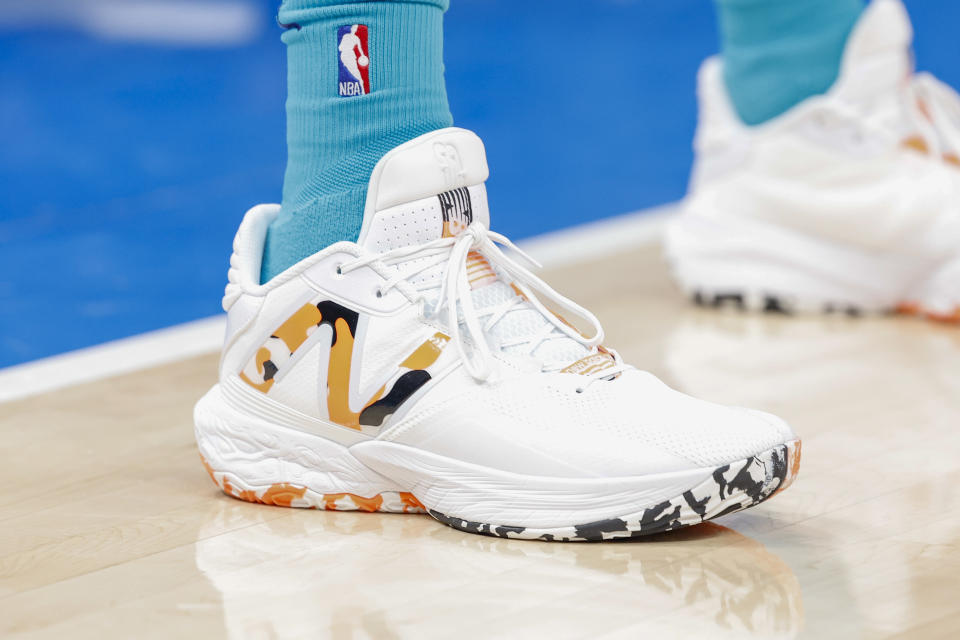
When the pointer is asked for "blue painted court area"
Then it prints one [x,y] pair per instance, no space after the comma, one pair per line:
[131,149]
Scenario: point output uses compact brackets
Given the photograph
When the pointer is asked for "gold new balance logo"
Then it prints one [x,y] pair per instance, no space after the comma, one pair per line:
[276,352]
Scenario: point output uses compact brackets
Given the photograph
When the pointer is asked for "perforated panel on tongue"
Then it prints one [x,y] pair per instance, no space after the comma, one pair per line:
[428,188]
[425,188]
[432,187]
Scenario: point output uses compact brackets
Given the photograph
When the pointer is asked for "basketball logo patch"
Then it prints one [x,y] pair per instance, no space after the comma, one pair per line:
[354,60]
[457,211]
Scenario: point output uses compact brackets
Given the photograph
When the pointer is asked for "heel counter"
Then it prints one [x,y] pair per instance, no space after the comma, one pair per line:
[721,140]
[243,294]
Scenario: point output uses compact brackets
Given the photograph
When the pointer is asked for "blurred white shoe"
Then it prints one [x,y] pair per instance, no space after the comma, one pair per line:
[848,202]
[416,369]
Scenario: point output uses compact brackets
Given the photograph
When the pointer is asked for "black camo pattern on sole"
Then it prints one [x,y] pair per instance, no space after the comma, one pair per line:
[730,488]
[766,303]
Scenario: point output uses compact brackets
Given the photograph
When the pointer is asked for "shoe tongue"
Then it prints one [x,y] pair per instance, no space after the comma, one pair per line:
[433,187]
[427,188]
[878,59]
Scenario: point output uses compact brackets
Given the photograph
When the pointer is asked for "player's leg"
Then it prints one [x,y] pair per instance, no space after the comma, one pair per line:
[340,122]
[777,53]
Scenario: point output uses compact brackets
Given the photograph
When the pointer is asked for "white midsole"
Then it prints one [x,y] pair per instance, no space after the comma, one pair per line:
[261,454]
[750,257]
[483,494]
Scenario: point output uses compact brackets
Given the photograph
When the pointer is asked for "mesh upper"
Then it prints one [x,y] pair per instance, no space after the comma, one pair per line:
[599,428]
[524,321]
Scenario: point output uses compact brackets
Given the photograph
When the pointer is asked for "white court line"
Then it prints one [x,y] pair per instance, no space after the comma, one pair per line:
[569,246]
[587,242]
[194,23]
[112,358]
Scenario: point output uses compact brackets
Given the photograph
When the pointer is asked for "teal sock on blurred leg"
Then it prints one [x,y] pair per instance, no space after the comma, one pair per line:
[777,53]
[363,77]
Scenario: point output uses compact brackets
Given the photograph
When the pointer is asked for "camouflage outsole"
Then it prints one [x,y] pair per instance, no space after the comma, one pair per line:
[730,488]
[781,305]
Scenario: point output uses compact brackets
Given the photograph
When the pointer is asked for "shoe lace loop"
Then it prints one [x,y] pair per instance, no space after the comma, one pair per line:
[455,293]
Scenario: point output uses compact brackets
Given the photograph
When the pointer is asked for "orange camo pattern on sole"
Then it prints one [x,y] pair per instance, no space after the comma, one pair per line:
[288,495]
[914,309]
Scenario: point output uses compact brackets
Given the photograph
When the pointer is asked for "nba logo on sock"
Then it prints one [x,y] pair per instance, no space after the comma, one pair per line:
[354,60]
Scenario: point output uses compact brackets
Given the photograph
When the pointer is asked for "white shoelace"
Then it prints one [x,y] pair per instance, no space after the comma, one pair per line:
[455,293]
[938,120]
[930,110]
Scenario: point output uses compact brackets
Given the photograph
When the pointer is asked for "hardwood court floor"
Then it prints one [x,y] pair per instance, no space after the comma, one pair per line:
[111,527]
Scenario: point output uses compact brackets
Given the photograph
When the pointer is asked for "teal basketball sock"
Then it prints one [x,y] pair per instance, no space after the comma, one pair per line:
[777,53]
[363,77]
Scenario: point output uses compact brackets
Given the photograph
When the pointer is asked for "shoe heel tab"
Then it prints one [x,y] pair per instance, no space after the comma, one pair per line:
[710,72]
[247,256]
[722,140]
[716,107]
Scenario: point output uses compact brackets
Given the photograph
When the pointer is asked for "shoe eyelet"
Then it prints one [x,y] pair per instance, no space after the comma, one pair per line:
[379,293]
[580,389]
[340,269]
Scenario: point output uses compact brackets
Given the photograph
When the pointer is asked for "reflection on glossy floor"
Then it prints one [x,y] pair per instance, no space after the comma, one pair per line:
[111,528]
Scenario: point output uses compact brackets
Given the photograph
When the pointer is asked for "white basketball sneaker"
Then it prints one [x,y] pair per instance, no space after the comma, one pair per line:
[848,202]
[418,370]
